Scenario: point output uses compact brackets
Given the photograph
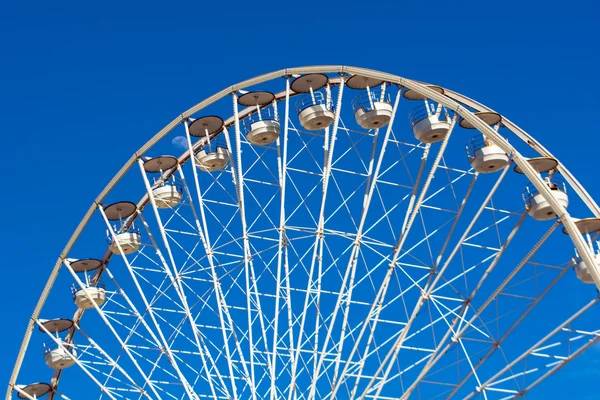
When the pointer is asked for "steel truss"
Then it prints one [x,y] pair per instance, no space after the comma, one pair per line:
[341,263]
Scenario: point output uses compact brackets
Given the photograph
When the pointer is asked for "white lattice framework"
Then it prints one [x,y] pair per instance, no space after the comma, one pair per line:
[340,263]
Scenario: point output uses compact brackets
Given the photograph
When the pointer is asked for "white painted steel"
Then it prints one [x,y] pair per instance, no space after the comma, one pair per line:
[69,352]
[266,343]
[111,327]
[190,394]
[180,290]
[282,265]
[223,310]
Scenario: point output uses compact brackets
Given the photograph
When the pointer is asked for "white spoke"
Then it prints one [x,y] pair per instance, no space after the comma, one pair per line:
[112,329]
[60,345]
[317,256]
[282,253]
[406,227]
[175,282]
[224,316]
[113,234]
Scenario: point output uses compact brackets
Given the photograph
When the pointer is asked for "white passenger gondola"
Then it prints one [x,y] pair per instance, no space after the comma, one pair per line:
[167,192]
[587,227]
[213,154]
[373,107]
[58,353]
[537,206]
[126,237]
[430,121]
[93,291]
[315,108]
[262,126]
[484,155]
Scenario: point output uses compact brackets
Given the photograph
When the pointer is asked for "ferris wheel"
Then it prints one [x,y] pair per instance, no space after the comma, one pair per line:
[323,232]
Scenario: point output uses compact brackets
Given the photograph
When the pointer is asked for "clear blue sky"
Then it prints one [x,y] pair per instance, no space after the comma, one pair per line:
[83,86]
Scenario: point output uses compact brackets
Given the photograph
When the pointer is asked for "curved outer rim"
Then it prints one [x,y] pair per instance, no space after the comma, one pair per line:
[450,99]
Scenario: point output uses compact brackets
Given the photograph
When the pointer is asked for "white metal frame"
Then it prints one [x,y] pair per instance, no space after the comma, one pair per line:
[452,101]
